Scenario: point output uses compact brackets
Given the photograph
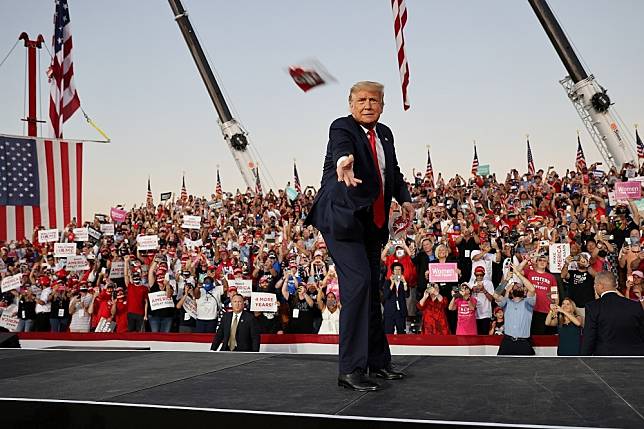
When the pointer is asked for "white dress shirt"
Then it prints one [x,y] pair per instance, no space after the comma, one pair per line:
[379,150]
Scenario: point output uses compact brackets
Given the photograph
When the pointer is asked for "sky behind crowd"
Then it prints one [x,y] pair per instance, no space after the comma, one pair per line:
[479,70]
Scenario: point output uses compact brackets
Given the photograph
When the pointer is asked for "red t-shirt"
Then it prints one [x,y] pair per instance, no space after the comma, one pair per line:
[121,316]
[542,283]
[136,296]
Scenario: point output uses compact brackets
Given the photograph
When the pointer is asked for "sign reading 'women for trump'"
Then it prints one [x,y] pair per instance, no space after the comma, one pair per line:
[443,273]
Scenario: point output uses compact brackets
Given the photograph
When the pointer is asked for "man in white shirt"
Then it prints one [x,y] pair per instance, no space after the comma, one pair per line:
[43,305]
[483,291]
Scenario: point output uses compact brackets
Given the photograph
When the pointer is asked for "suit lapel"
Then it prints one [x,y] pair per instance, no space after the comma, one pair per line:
[386,147]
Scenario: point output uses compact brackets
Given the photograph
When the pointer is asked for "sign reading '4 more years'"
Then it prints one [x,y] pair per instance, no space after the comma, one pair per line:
[263,301]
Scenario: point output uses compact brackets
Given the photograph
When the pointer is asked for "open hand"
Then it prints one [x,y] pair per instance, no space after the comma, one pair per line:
[345,172]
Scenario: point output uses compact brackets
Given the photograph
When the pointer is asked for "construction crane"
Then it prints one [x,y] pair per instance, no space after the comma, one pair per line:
[590,99]
[233,133]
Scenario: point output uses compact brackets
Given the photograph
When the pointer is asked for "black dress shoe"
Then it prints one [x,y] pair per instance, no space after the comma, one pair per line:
[387,373]
[357,381]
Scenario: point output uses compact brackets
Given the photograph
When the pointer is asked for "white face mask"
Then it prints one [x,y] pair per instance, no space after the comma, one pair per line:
[400,253]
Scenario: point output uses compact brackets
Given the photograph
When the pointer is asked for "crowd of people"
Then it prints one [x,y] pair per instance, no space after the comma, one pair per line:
[497,230]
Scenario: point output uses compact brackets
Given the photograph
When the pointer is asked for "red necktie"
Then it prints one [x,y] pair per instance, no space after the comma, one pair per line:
[379,203]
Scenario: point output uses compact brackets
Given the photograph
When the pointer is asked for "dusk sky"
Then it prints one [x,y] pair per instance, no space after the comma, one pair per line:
[481,70]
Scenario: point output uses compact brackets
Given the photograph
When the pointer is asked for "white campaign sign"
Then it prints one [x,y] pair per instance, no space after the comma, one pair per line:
[117,270]
[557,254]
[244,287]
[147,242]
[63,250]
[8,322]
[107,229]
[77,263]
[191,222]
[190,307]
[263,301]
[11,282]
[47,235]
[192,244]
[81,234]
[159,300]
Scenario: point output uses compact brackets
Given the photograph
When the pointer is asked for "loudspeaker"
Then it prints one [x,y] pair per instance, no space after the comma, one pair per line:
[9,341]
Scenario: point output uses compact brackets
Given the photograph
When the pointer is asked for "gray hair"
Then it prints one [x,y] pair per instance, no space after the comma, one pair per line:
[606,279]
[368,85]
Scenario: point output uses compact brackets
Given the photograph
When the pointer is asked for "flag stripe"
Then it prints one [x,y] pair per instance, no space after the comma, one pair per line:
[19,215]
[58,186]
[3,221]
[44,190]
[37,220]
[400,19]
[79,184]
[51,185]
[11,220]
[64,180]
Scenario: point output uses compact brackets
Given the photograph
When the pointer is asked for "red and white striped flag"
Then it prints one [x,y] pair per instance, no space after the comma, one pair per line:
[258,183]
[41,184]
[429,172]
[184,192]
[218,190]
[149,201]
[63,98]
[530,160]
[581,158]
[475,163]
[640,145]
[400,19]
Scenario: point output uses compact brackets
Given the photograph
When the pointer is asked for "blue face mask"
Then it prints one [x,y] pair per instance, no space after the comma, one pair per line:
[208,286]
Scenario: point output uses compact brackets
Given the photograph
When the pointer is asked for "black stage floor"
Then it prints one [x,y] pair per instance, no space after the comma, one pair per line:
[143,389]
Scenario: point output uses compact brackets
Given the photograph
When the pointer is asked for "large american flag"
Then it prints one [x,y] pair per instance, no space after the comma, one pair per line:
[184,192]
[475,163]
[400,19]
[580,162]
[218,190]
[640,145]
[41,184]
[530,160]
[296,179]
[429,172]
[63,98]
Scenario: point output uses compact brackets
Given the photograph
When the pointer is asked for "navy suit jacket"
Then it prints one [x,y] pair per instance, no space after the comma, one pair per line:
[337,209]
[247,335]
[614,326]
[390,297]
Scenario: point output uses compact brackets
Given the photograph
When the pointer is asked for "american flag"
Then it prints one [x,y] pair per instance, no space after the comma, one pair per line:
[148,200]
[400,19]
[296,179]
[41,183]
[258,183]
[581,158]
[530,160]
[640,145]
[218,190]
[429,172]
[475,163]
[184,193]
[63,98]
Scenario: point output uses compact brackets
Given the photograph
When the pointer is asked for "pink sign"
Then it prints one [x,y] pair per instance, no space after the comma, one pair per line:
[443,273]
[628,190]
[118,215]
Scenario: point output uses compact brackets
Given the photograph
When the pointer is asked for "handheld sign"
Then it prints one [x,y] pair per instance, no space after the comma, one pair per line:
[11,282]
[443,273]
[244,287]
[8,322]
[190,307]
[557,255]
[107,229]
[118,215]
[77,263]
[159,300]
[191,222]
[628,190]
[81,234]
[147,242]
[165,196]
[117,270]
[47,235]
[63,250]
[399,225]
[263,301]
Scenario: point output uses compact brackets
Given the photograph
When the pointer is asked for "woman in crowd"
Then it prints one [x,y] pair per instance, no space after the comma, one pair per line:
[433,306]
[330,308]
[59,316]
[465,305]
[330,282]
[301,309]
[569,324]
[441,256]
[161,318]
[26,311]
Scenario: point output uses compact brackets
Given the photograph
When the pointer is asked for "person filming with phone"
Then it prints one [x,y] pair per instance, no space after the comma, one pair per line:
[395,292]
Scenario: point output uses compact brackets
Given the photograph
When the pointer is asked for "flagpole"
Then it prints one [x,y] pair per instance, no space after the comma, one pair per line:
[636,150]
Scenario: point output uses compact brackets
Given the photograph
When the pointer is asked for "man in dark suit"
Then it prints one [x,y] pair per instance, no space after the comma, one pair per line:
[351,210]
[614,325]
[237,330]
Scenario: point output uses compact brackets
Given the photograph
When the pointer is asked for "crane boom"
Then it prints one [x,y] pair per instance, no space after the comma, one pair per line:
[233,133]
[588,97]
